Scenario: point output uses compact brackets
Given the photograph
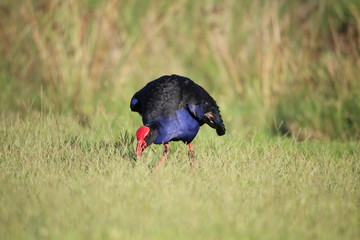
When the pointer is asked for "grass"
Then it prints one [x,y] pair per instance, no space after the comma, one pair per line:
[60,180]
[284,73]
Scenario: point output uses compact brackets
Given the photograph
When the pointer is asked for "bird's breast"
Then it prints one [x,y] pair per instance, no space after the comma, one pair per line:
[183,126]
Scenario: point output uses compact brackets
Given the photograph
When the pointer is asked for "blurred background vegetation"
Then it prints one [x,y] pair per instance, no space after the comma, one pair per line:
[279,67]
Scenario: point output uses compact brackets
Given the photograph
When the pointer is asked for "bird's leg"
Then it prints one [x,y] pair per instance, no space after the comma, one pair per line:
[164,156]
[191,155]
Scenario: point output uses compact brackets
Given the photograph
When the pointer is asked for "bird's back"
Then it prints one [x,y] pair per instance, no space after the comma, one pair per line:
[162,97]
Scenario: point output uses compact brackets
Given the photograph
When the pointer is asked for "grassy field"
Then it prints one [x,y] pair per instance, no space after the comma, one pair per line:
[61,181]
[286,75]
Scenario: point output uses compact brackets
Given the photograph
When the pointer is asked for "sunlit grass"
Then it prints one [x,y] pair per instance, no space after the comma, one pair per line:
[284,73]
[59,180]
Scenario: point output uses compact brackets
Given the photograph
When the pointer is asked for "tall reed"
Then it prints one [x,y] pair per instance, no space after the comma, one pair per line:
[294,63]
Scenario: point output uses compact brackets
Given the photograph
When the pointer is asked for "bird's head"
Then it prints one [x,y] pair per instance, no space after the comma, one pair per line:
[145,135]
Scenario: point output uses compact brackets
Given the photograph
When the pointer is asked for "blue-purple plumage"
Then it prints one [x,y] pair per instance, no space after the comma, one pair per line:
[175,107]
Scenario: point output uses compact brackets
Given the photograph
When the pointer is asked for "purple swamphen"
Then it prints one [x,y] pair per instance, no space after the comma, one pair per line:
[173,108]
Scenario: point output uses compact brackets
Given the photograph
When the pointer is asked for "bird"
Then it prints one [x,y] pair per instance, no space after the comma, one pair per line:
[173,108]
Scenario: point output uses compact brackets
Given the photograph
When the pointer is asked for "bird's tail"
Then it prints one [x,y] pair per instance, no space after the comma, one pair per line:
[214,120]
[220,128]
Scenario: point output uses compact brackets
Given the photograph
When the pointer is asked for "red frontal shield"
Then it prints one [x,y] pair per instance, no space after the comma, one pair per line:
[141,134]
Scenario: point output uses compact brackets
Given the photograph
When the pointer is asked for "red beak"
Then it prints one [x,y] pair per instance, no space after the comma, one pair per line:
[141,145]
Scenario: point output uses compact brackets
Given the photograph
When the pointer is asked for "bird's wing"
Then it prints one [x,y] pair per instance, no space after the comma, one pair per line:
[150,97]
